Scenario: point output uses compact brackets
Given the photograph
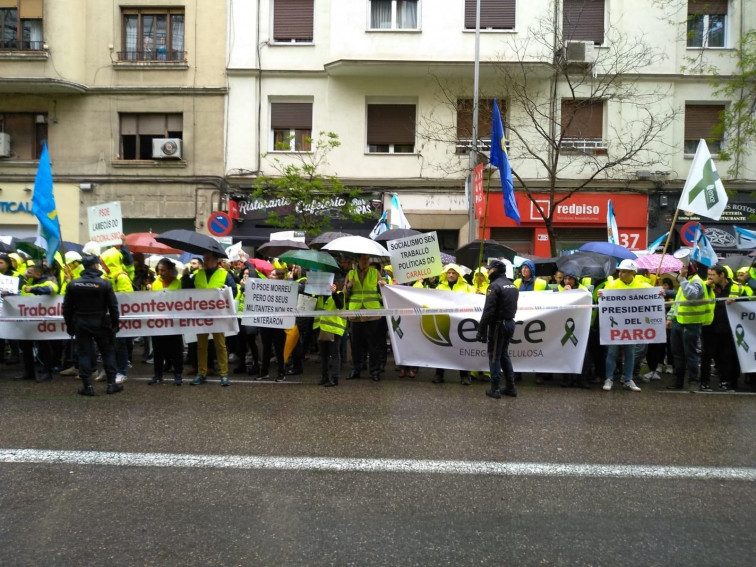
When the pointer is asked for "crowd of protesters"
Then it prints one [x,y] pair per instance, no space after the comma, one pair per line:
[698,332]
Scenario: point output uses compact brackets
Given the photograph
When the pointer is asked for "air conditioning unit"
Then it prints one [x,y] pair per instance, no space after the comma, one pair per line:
[166,148]
[5,146]
[580,52]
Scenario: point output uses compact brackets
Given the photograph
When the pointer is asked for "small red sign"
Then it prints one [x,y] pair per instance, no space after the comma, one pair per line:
[220,224]
[478,196]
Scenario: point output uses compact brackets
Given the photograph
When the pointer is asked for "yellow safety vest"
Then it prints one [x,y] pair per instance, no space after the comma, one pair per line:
[364,295]
[47,283]
[702,313]
[217,280]
[329,323]
[157,285]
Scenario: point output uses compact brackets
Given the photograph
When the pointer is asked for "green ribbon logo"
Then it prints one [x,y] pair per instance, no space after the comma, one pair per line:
[707,185]
[740,337]
[569,329]
[395,322]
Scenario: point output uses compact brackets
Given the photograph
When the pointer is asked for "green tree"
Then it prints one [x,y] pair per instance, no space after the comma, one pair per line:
[317,200]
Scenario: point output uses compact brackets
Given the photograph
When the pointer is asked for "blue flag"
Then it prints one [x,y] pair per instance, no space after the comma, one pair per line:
[43,206]
[381,226]
[499,159]
[611,225]
[744,239]
[703,252]
[658,242]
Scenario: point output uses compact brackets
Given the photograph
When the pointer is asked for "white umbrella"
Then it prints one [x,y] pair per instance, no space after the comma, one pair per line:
[356,245]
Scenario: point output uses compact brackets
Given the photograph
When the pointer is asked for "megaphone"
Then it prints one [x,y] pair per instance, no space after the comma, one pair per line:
[683,254]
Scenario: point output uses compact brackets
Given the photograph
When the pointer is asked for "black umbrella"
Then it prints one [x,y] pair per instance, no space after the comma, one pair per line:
[469,254]
[322,239]
[275,248]
[6,248]
[737,262]
[72,246]
[191,241]
[394,233]
[587,264]
[545,266]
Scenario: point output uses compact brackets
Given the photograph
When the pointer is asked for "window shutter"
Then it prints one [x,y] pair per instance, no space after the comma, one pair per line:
[291,115]
[152,124]
[293,19]
[700,120]
[391,124]
[712,7]
[485,117]
[583,20]
[128,124]
[30,10]
[8,3]
[175,123]
[583,119]
[494,14]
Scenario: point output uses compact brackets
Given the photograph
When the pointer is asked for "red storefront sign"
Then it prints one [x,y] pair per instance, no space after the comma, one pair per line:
[581,210]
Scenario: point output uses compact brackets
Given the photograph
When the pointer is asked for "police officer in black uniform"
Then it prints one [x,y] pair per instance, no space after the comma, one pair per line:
[497,327]
[90,309]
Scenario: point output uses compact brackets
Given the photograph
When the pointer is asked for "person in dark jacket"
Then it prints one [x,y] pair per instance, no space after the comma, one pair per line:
[496,328]
[90,309]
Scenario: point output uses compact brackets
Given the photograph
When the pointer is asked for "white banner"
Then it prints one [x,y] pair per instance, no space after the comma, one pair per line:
[318,283]
[105,223]
[551,333]
[143,313]
[742,316]
[415,257]
[9,284]
[632,316]
[266,303]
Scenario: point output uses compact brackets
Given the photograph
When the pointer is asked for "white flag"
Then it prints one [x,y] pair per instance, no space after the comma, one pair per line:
[744,239]
[703,252]
[703,193]
[398,220]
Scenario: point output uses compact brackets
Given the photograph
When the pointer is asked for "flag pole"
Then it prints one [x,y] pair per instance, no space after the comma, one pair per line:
[474,151]
[666,243]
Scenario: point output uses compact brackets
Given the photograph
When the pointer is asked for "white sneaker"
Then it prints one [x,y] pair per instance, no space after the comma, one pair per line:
[100,376]
[72,371]
[656,376]
[120,378]
[607,385]
[631,386]
[647,377]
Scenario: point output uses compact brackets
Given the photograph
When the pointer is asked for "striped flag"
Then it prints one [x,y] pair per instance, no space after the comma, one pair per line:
[611,224]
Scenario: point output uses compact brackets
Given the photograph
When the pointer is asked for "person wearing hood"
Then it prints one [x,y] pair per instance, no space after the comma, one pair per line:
[6,269]
[528,280]
[497,327]
[480,280]
[90,310]
[37,283]
[451,280]
[116,272]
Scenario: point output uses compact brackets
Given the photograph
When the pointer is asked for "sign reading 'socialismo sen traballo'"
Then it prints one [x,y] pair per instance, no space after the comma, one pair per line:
[632,316]
[415,257]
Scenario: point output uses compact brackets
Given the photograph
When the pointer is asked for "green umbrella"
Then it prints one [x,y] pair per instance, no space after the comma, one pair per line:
[312,259]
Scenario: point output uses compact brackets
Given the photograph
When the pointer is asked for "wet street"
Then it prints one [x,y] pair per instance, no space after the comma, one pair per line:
[399,472]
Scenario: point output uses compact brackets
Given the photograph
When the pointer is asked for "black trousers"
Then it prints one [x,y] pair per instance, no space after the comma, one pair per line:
[168,348]
[330,359]
[368,338]
[273,340]
[85,343]
[719,347]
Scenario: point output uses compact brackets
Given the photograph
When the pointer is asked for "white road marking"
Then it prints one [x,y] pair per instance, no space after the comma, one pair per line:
[373,465]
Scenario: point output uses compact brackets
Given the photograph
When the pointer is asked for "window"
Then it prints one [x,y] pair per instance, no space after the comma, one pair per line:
[293,21]
[153,34]
[494,14]
[393,14]
[583,20]
[291,126]
[138,131]
[706,23]
[21,25]
[485,119]
[391,128]
[27,131]
[583,126]
[702,121]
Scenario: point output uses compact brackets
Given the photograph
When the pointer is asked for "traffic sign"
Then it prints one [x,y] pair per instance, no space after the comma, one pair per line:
[688,233]
[220,224]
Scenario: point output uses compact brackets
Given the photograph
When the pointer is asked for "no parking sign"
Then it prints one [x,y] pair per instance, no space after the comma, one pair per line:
[688,233]
[220,224]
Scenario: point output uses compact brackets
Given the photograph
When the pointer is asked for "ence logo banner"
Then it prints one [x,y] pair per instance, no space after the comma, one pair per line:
[551,331]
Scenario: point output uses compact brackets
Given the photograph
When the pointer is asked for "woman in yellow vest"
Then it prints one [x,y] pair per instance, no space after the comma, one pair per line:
[167,347]
[362,286]
[332,329]
[451,280]
[37,283]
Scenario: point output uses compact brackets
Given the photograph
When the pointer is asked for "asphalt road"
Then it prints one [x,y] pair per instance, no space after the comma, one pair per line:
[395,508]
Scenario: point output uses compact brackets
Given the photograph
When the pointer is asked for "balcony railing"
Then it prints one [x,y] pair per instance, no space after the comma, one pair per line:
[464,145]
[590,146]
[157,55]
[22,45]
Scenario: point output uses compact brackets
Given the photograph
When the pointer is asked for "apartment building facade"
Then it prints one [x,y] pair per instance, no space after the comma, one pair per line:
[175,108]
[130,97]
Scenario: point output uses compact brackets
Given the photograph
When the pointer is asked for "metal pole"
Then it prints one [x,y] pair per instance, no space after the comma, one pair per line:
[474,150]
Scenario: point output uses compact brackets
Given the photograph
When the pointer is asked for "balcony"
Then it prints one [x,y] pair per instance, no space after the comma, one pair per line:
[587,146]
[152,56]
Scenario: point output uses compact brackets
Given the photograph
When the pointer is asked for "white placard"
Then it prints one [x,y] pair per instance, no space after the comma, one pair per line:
[632,316]
[266,301]
[415,257]
[105,223]
[318,283]
[9,284]
[742,317]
